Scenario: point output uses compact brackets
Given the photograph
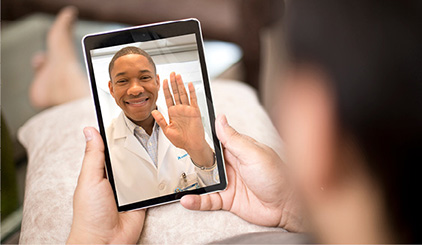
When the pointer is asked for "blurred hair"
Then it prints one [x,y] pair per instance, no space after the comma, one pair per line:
[372,52]
[130,50]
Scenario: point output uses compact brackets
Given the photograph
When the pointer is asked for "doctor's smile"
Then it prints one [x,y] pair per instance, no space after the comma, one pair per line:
[137,102]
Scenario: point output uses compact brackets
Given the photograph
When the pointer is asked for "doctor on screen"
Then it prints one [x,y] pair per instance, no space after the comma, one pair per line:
[153,153]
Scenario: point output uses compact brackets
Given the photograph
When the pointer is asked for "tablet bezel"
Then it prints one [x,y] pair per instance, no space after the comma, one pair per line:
[142,34]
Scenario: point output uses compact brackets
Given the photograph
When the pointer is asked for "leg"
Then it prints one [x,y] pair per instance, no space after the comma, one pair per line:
[59,77]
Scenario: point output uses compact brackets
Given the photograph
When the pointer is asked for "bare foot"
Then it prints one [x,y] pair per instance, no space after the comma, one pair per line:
[59,77]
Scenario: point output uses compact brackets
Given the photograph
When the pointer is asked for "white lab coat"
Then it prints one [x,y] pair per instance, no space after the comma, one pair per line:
[136,177]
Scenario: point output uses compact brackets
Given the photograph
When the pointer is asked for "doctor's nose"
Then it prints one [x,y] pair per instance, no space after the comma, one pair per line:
[135,88]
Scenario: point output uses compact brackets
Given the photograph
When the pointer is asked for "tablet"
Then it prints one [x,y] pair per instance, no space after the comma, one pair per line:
[155,113]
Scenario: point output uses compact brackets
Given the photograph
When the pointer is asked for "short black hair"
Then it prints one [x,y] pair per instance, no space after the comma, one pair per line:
[372,52]
[130,50]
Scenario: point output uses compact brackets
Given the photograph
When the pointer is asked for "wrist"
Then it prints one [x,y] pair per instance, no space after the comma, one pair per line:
[291,219]
[83,237]
[203,157]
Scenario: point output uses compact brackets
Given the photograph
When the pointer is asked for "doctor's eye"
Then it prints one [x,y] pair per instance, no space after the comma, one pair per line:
[121,81]
[145,78]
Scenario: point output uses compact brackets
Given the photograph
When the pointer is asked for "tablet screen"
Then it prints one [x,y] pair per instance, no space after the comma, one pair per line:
[154,107]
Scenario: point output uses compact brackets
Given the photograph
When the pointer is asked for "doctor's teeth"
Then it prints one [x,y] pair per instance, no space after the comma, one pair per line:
[138,102]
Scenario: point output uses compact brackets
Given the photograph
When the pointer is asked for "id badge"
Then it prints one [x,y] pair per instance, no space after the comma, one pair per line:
[187,182]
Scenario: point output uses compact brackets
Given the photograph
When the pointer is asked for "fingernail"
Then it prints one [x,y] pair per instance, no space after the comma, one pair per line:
[88,134]
[223,120]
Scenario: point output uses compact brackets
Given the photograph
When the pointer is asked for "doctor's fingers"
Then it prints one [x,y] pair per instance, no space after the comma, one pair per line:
[193,98]
[167,94]
[175,88]
[159,118]
[182,90]
[93,168]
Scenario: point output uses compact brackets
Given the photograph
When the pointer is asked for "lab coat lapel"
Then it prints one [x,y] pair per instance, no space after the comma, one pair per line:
[130,142]
[163,145]
[134,146]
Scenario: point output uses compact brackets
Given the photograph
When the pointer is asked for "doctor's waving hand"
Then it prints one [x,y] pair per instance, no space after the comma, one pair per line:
[185,129]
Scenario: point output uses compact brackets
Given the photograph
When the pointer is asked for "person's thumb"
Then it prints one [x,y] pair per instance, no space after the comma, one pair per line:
[232,140]
[93,164]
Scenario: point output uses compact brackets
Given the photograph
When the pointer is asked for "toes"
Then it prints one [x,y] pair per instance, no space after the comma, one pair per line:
[67,15]
[60,36]
[64,21]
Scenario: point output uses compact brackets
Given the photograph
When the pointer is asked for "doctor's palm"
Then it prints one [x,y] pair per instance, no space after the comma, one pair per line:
[185,129]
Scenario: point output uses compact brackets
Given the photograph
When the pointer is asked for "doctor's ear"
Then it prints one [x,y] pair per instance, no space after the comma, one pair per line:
[110,87]
[158,80]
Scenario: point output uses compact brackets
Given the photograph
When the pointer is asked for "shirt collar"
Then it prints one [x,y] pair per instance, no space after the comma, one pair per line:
[132,126]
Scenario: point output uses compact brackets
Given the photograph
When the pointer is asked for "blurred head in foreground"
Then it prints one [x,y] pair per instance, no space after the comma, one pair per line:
[351,117]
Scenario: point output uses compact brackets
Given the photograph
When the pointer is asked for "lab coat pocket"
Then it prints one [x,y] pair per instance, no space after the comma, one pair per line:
[188,182]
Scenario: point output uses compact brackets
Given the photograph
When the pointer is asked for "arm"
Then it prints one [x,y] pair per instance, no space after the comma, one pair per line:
[95,216]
